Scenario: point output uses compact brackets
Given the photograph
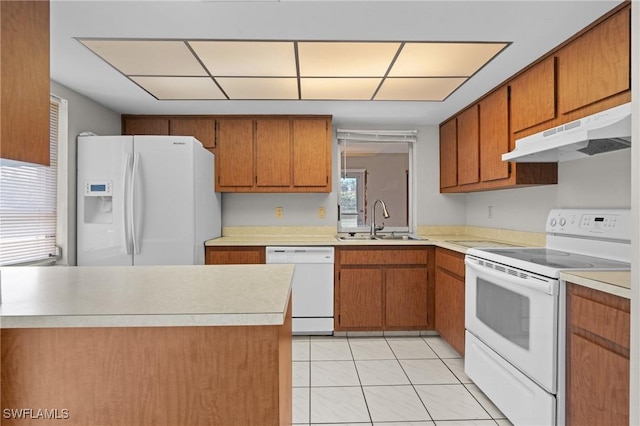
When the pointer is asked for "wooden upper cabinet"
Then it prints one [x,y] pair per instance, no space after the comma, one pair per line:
[448,154]
[202,129]
[145,126]
[312,153]
[24,66]
[468,146]
[273,152]
[234,153]
[533,96]
[596,65]
[494,135]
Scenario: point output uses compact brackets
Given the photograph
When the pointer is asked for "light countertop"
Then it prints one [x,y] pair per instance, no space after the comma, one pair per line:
[613,282]
[617,283]
[144,296]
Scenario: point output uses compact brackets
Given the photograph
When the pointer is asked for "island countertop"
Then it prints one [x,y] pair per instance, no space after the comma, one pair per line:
[144,296]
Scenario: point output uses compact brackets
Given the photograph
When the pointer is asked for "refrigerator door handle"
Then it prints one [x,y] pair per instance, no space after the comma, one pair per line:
[134,237]
[127,204]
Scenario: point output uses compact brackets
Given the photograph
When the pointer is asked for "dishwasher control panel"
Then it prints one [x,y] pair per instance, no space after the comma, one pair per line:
[310,254]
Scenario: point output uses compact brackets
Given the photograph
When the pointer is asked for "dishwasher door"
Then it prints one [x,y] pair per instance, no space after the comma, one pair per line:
[312,286]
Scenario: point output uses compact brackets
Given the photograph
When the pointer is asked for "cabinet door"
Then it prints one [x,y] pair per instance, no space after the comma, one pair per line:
[599,378]
[595,65]
[405,298]
[448,154]
[234,255]
[202,129]
[468,146]
[26,84]
[450,309]
[311,153]
[146,126]
[494,135]
[533,96]
[360,303]
[234,157]
[273,153]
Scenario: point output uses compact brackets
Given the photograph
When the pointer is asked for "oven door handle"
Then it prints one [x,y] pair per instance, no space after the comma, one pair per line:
[532,282]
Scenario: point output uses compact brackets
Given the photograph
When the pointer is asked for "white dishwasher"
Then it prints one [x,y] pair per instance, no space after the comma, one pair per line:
[312,286]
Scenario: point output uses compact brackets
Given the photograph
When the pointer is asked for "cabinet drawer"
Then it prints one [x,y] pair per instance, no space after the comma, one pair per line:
[450,261]
[373,256]
[599,316]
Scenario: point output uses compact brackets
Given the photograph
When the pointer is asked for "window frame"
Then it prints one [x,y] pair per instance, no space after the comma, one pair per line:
[389,137]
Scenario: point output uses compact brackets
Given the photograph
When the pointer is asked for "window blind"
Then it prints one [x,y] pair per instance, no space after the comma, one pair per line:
[28,206]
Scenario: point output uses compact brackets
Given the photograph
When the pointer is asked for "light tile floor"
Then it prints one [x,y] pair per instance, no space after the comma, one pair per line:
[385,381]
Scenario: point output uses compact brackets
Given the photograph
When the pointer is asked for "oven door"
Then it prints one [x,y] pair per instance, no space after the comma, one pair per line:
[514,313]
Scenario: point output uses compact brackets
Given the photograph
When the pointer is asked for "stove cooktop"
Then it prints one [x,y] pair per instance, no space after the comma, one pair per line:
[545,261]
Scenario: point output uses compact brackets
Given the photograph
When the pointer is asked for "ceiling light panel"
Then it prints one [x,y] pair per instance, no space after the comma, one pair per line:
[417,89]
[259,88]
[443,59]
[338,88]
[167,88]
[147,57]
[247,58]
[345,59]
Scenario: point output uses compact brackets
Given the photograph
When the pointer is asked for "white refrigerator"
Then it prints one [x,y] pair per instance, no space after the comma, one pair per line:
[145,200]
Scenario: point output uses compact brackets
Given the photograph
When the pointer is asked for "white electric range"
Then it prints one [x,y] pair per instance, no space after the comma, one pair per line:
[515,310]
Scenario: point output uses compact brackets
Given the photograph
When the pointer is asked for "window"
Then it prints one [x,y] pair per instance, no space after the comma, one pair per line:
[375,165]
[28,195]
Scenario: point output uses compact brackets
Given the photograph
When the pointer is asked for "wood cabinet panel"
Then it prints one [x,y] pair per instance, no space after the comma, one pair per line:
[273,153]
[361,298]
[450,309]
[533,95]
[449,154]
[144,376]
[145,126]
[390,280]
[405,298]
[598,330]
[468,146]
[311,153]
[451,261]
[24,66]
[202,129]
[494,135]
[234,159]
[450,297]
[599,393]
[383,256]
[234,255]
[596,65]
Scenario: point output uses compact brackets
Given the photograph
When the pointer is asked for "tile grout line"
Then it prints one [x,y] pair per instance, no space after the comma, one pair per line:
[364,396]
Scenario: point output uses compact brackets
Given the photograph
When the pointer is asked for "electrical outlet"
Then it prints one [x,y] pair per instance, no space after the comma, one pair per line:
[279,212]
[322,212]
[490,212]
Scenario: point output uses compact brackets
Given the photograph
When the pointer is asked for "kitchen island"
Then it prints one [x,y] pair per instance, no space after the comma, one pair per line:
[161,345]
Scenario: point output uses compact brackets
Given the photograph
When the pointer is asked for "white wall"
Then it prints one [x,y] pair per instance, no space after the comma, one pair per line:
[602,181]
[84,115]
[432,207]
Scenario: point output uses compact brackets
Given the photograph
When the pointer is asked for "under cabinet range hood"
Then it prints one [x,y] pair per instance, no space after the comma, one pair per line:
[605,131]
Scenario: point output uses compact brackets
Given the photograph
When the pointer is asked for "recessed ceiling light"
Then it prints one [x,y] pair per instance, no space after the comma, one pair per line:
[290,70]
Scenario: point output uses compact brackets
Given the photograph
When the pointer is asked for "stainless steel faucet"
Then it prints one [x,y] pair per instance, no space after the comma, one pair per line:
[385,213]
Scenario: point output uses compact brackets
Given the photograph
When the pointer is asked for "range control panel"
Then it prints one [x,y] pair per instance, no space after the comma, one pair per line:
[604,223]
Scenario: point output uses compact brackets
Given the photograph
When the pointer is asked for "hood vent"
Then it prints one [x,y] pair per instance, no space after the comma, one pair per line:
[602,132]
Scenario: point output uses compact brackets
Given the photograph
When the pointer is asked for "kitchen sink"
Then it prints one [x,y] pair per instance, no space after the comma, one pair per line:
[356,237]
[369,237]
[397,237]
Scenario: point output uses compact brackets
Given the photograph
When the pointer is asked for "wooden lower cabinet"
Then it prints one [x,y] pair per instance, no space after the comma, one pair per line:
[449,295]
[383,288]
[598,342]
[233,255]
